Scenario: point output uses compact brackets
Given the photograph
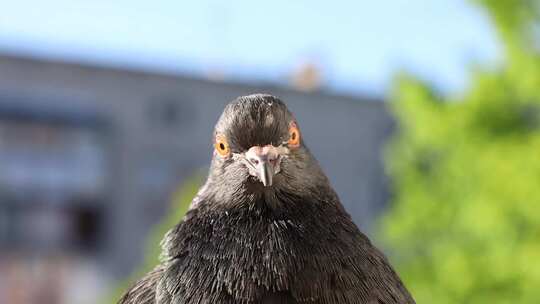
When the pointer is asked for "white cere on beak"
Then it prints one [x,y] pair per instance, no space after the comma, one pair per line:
[264,162]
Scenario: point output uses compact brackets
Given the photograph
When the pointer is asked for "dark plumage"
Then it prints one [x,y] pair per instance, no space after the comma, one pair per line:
[266,227]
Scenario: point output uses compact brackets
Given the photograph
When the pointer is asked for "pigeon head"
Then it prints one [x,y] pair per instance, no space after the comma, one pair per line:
[258,148]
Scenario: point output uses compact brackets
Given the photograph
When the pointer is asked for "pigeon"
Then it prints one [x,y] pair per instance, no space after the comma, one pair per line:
[266,226]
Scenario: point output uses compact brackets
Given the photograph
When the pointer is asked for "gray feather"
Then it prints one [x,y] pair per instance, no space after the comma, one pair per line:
[245,243]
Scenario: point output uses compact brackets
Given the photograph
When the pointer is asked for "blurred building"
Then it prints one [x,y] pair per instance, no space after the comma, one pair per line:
[90,154]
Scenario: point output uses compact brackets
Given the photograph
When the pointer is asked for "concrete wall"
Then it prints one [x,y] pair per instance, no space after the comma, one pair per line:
[160,129]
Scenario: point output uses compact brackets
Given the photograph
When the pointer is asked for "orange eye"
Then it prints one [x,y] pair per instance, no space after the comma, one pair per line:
[294,135]
[222,146]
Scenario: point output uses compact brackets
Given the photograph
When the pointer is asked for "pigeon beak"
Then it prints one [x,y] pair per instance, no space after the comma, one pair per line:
[263,163]
[265,172]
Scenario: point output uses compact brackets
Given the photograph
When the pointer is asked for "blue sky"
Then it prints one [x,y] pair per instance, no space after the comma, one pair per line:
[359,45]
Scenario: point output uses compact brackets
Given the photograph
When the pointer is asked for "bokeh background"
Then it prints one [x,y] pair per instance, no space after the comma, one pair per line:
[424,114]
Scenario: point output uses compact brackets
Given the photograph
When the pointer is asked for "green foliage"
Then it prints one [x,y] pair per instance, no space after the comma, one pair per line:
[465,220]
[180,202]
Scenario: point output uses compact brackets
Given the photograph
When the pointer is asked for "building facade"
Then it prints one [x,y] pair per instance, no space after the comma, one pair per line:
[89,156]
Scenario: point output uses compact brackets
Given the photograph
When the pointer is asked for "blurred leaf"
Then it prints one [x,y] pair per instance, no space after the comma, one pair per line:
[180,203]
[465,219]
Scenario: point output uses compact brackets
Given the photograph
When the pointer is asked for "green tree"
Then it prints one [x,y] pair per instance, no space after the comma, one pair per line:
[180,201]
[465,217]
